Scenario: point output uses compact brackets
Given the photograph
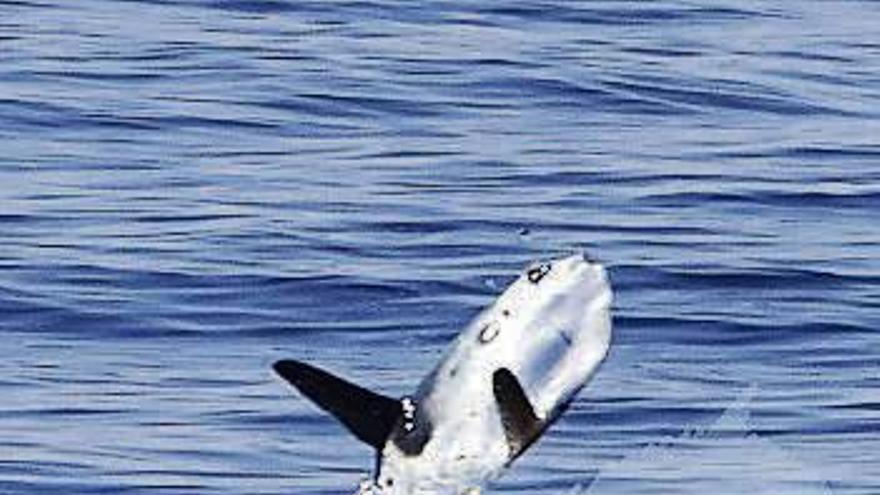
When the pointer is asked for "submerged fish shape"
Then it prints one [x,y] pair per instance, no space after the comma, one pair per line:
[507,377]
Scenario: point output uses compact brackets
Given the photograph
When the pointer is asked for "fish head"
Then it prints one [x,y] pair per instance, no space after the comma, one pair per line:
[551,328]
[570,294]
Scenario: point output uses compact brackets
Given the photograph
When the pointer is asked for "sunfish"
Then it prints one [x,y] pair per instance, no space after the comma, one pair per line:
[507,377]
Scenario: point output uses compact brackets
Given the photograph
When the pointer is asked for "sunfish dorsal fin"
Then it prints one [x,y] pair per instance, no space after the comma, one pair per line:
[521,425]
[368,415]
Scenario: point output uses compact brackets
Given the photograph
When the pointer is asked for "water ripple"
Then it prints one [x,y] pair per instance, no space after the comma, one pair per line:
[193,189]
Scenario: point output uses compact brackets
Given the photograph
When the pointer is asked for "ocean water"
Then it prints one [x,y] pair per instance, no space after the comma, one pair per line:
[192,189]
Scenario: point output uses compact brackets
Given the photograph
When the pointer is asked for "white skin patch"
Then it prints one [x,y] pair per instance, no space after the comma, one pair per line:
[551,328]
[409,411]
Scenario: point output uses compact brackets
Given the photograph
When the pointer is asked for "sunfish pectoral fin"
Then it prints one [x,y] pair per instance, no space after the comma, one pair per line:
[368,415]
[521,425]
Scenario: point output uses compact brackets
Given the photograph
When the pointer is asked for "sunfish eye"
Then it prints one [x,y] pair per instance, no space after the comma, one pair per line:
[537,273]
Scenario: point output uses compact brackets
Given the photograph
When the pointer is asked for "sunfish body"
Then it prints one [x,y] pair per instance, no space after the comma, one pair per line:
[502,382]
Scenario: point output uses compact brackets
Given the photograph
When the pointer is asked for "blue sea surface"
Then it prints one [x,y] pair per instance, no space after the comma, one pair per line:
[192,189]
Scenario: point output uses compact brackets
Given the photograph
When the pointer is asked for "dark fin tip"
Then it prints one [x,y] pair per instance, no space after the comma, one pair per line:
[371,417]
[521,425]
